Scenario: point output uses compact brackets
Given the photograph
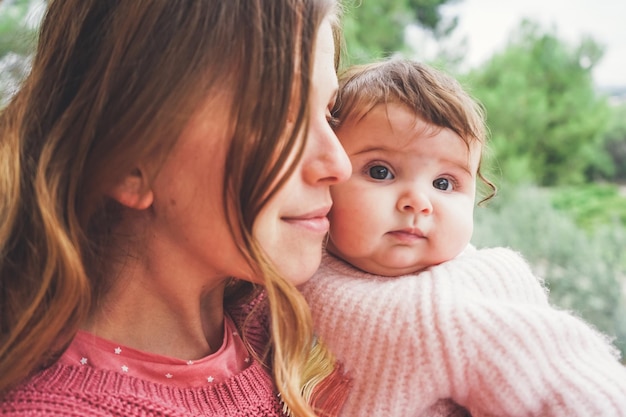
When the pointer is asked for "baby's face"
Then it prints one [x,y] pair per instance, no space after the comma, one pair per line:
[410,200]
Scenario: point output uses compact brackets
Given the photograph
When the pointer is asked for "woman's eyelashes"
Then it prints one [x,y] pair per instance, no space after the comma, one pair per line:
[330,117]
[332,121]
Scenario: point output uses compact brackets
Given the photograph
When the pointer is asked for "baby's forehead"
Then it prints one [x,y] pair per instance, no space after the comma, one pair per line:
[364,107]
[397,132]
[428,122]
[388,111]
[459,115]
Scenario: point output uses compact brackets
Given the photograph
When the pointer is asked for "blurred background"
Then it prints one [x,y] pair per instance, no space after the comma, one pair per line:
[551,75]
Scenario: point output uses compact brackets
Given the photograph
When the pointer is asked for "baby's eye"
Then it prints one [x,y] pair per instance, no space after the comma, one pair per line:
[442,184]
[380,172]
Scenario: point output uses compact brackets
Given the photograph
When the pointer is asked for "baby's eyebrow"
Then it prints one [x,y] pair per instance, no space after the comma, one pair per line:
[375,149]
[463,165]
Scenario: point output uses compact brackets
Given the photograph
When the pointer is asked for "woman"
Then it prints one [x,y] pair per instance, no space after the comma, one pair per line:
[161,160]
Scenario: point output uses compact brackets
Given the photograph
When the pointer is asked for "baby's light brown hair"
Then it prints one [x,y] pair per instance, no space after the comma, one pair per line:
[431,95]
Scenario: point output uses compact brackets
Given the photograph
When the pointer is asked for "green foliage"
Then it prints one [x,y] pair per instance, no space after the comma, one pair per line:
[584,271]
[18,38]
[615,143]
[15,34]
[591,206]
[375,29]
[546,119]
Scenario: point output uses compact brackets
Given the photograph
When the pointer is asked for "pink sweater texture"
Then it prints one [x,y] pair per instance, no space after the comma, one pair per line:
[477,331]
[75,390]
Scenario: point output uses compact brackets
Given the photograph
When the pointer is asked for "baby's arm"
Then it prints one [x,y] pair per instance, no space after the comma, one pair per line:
[521,360]
[477,329]
[388,333]
[515,355]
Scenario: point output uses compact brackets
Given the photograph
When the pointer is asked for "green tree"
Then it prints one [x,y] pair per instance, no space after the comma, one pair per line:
[615,143]
[375,28]
[546,119]
[583,270]
[18,34]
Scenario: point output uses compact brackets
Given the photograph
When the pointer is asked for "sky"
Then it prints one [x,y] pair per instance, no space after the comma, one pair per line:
[487,25]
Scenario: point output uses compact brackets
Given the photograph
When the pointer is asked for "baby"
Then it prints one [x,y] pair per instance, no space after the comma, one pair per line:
[426,324]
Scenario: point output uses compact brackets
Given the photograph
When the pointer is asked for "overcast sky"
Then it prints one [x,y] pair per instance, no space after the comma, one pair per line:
[488,23]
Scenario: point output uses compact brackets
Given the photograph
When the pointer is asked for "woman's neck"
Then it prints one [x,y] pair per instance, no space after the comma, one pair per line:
[168,314]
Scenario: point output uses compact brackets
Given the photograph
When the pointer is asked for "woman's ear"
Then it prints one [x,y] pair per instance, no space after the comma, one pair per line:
[133,191]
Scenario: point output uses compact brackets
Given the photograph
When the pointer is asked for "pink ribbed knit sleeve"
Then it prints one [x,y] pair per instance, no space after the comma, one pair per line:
[478,330]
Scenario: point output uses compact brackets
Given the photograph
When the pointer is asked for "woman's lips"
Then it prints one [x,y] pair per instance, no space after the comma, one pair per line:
[315,221]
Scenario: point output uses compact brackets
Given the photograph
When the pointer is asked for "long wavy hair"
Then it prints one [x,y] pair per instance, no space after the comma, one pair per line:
[115,82]
[429,94]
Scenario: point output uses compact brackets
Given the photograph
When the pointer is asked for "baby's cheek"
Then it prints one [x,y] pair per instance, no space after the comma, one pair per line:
[345,225]
[337,218]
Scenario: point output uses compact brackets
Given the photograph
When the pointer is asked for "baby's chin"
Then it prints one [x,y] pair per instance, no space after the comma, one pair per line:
[395,271]
[388,263]
[404,260]
[388,267]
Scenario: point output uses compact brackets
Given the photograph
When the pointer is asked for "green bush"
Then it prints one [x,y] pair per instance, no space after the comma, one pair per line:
[615,143]
[583,269]
[592,206]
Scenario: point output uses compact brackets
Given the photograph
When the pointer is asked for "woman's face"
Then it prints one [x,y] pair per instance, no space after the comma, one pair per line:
[189,223]
[293,225]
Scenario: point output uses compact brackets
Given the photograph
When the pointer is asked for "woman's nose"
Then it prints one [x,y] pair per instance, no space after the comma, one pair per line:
[415,201]
[327,161]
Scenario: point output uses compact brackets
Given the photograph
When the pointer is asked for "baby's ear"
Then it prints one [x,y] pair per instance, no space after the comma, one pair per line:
[133,191]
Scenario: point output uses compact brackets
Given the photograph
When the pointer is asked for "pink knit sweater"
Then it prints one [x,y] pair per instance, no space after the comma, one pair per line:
[67,390]
[477,330]
[83,391]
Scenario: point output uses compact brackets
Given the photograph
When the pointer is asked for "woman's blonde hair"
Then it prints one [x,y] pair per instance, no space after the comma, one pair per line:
[112,83]
[431,95]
